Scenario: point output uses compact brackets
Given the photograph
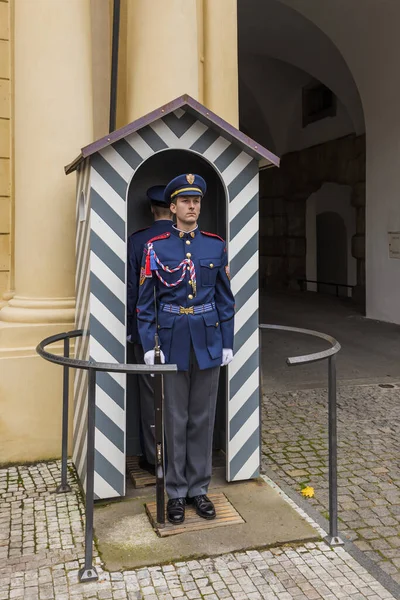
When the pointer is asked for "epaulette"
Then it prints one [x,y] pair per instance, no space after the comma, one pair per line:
[212,235]
[163,236]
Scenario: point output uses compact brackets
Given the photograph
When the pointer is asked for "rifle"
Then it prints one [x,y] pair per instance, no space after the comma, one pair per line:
[159,426]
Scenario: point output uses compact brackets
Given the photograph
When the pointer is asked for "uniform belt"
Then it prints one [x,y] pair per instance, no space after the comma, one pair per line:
[190,310]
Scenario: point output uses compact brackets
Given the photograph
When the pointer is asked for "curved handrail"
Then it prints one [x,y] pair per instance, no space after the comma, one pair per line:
[76,363]
[308,358]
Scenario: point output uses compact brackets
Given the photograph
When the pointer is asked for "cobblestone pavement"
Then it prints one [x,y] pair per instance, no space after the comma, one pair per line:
[41,550]
[295,446]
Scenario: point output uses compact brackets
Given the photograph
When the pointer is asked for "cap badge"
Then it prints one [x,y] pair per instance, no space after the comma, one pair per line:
[190,179]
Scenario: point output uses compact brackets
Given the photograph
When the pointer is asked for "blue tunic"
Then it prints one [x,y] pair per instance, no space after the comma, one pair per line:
[209,331]
[136,243]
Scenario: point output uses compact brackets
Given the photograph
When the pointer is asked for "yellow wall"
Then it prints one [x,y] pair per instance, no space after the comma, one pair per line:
[61,103]
[5,147]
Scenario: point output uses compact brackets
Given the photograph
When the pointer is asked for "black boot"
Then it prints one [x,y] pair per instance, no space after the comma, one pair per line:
[204,507]
[176,510]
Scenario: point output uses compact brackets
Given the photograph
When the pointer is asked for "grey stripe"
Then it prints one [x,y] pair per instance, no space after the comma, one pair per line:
[246,291]
[105,211]
[227,156]
[82,408]
[244,255]
[81,250]
[245,332]
[83,304]
[244,373]
[242,179]
[108,472]
[128,153]
[179,126]
[244,453]
[248,211]
[109,174]
[205,141]
[84,470]
[240,418]
[80,397]
[82,440]
[108,256]
[107,340]
[256,473]
[111,388]
[110,429]
[152,139]
[107,298]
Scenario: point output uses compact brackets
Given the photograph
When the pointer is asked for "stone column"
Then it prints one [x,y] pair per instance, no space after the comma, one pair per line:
[163,59]
[53,120]
[221,59]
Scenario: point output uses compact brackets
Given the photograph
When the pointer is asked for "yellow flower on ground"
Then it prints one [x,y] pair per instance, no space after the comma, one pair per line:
[308,491]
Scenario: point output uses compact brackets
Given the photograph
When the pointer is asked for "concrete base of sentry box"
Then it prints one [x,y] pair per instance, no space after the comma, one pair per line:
[127,539]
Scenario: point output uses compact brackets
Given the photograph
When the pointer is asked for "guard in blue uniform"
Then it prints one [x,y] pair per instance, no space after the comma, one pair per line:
[195,306]
[136,242]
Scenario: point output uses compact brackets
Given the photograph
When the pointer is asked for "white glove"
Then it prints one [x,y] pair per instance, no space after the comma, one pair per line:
[227,356]
[149,357]
[129,338]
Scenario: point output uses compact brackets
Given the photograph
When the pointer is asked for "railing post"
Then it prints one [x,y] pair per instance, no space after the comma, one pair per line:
[64,486]
[88,572]
[332,539]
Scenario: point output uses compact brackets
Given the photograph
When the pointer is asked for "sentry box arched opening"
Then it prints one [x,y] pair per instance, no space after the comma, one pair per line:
[112,176]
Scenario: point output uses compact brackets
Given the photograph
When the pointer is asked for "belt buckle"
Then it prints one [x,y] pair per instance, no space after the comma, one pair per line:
[186,311]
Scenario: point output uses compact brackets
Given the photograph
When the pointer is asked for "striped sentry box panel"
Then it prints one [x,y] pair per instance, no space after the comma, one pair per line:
[111,170]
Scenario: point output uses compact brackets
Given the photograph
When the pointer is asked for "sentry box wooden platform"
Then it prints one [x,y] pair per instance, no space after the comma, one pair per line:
[113,174]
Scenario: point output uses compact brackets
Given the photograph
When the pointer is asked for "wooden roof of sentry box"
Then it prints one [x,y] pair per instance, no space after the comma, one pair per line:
[188,104]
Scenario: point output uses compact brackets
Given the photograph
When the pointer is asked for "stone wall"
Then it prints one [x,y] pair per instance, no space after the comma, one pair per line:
[283,196]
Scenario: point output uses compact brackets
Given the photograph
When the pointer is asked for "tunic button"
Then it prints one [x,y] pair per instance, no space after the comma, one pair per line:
[188,242]
[211,265]
[190,297]
[216,324]
[188,255]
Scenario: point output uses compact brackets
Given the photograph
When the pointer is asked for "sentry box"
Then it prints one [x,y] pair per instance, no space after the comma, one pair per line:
[113,175]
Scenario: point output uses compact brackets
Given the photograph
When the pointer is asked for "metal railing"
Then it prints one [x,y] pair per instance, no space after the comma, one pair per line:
[88,572]
[303,285]
[333,538]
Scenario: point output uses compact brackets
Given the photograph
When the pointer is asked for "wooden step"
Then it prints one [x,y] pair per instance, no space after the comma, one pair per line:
[226,515]
[138,476]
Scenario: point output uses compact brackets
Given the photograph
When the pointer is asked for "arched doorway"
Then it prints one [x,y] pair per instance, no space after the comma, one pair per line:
[331,252]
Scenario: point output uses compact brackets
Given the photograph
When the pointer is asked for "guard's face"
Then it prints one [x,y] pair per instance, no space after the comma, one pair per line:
[187,209]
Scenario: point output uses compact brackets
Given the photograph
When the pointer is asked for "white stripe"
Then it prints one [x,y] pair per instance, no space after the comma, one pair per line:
[139,145]
[247,310]
[82,264]
[104,189]
[99,353]
[247,389]
[249,467]
[242,277]
[117,162]
[244,353]
[81,460]
[243,197]
[109,407]
[109,237]
[192,134]
[83,242]
[236,167]
[83,394]
[105,316]
[179,112]
[84,301]
[165,133]
[244,235]
[107,277]
[102,489]
[244,433]
[216,149]
[78,191]
[109,450]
